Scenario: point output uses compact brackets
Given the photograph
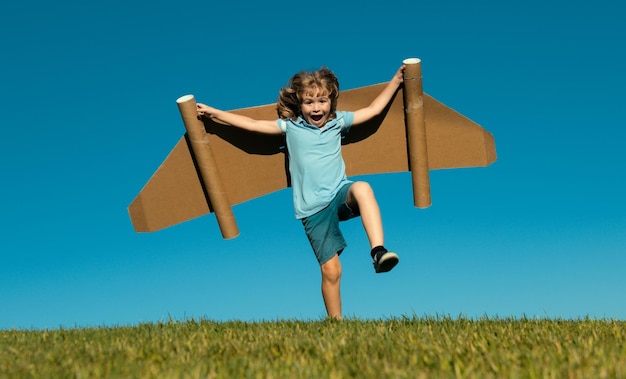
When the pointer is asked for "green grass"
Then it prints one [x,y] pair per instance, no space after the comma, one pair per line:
[411,347]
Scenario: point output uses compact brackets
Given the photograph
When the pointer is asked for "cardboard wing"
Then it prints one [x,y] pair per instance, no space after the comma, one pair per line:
[247,165]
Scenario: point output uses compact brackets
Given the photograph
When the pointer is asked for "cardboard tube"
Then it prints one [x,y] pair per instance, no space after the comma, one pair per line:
[416,132]
[201,149]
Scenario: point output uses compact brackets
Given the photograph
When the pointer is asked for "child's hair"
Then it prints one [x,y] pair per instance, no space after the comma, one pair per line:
[322,82]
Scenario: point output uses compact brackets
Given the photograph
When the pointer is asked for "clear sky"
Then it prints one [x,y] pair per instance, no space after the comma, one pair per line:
[88,113]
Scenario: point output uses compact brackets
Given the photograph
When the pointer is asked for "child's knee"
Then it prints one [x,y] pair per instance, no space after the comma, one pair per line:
[361,191]
[363,188]
[331,270]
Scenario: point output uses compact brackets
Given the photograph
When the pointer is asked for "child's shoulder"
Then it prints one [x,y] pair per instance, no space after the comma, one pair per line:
[345,117]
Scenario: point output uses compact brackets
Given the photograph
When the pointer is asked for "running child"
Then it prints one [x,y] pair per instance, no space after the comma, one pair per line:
[322,194]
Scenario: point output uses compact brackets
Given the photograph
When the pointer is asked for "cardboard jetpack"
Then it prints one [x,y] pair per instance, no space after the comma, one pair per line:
[215,166]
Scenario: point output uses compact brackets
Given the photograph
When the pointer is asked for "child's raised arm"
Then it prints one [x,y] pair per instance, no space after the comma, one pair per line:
[380,102]
[239,121]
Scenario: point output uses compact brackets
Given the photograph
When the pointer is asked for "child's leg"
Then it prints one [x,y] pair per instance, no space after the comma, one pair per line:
[331,277]
[362,197]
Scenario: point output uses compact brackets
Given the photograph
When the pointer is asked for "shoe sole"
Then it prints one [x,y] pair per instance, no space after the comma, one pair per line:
[388,261]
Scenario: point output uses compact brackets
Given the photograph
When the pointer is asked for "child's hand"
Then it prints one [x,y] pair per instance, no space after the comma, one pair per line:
[204,110]
[399,76]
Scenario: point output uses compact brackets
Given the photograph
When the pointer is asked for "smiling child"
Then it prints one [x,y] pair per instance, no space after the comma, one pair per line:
[322,194]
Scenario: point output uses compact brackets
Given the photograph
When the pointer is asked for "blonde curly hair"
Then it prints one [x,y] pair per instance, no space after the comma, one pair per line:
[322,82]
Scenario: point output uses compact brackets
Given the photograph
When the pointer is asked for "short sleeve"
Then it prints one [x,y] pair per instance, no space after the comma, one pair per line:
[345,120]
[282,125]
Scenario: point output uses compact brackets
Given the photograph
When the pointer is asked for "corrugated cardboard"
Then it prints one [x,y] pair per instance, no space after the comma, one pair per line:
[251,165]
[204,160]
[416,132]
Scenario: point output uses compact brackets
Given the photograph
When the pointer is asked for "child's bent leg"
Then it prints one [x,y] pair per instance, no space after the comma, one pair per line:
[362,195]
[331,277]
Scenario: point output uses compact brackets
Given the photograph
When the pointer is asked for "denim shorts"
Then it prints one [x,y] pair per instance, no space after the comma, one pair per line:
[322,228]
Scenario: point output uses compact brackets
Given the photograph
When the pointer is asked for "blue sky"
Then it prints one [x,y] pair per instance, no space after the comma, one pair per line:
[88,113]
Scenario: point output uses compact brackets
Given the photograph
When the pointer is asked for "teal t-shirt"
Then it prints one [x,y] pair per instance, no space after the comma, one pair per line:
[315,162]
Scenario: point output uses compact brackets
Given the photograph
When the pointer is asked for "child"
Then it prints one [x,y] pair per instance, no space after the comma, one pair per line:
[322,194]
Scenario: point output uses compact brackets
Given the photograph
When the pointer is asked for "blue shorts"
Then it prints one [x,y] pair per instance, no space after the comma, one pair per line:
[322,228]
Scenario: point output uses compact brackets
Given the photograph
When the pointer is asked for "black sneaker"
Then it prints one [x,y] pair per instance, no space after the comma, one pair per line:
[384,260]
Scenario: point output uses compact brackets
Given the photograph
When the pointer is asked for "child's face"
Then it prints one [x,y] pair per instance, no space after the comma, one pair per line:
[315,109]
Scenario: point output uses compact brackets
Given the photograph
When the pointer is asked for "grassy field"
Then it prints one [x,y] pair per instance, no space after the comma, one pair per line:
[412,347]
